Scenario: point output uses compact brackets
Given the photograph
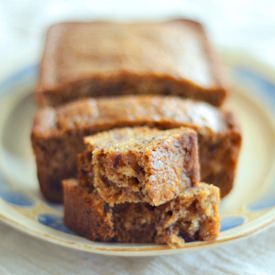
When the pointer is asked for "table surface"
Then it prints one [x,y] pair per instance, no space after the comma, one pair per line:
[251,29]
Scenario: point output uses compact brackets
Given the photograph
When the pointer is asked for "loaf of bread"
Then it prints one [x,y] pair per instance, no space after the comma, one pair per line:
[90,59]
[57,134]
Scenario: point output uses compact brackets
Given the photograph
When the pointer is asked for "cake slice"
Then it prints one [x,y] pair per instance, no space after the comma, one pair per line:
[140,164]
[57,134]
[89,59]
[193,216]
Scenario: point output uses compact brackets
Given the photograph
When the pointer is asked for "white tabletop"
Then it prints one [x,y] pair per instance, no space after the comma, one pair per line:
[243,25]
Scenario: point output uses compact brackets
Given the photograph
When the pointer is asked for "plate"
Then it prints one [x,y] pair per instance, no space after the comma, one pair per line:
[247,210]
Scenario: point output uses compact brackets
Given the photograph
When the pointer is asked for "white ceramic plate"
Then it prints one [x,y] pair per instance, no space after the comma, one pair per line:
[247,210]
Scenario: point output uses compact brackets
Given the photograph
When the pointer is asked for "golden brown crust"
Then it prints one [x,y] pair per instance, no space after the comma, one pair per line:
[102,68]
[140,164]
[192,216]
[219,155]
[57,134]
[86,214]
[113,112]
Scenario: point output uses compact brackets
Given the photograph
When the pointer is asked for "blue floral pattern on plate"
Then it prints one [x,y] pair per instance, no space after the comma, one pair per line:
[261,83]
[264,203]
[54,221]
[14,197]
[17,198]
[231,222]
